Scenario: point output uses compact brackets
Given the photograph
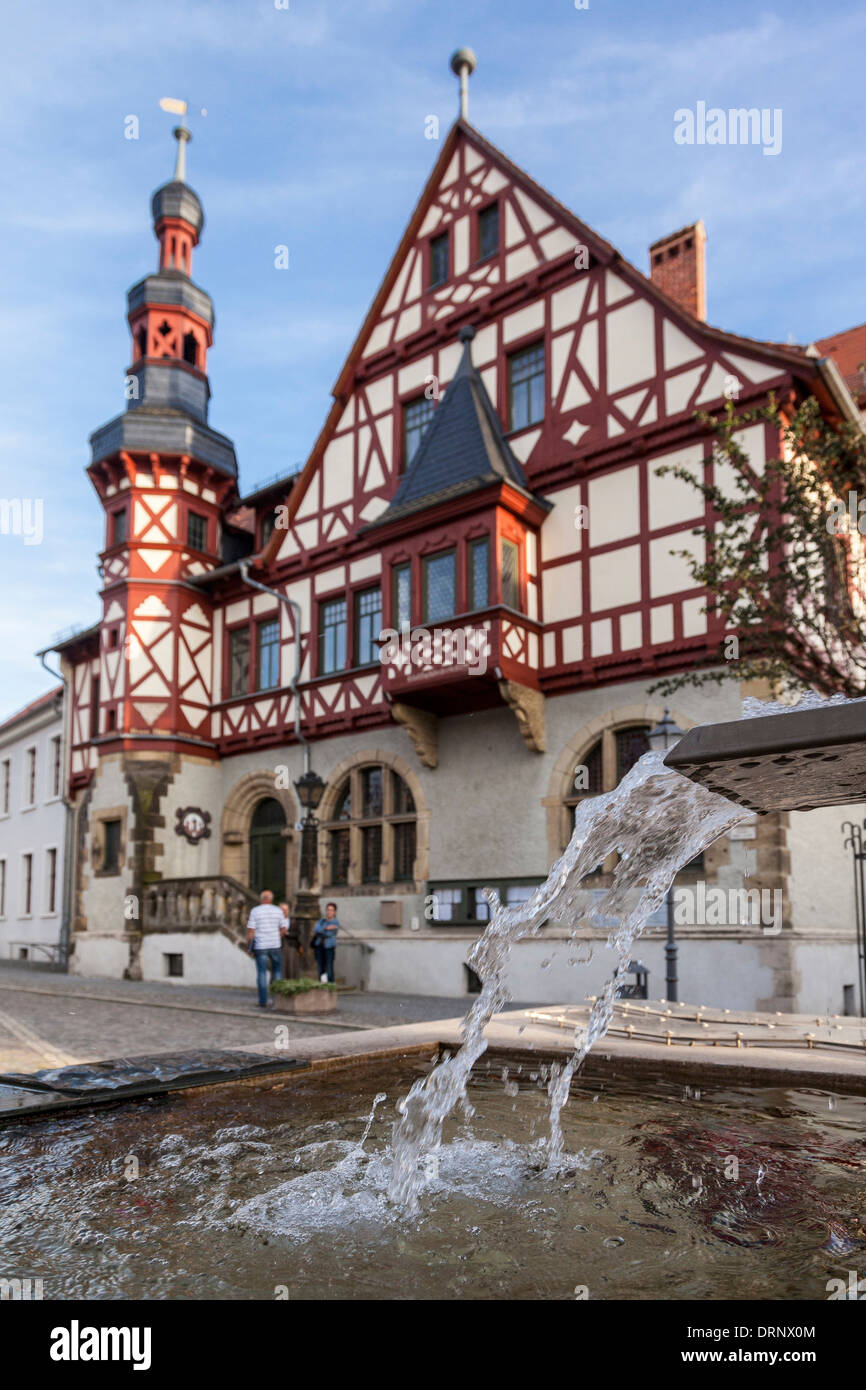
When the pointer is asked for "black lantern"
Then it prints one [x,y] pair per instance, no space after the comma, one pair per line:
[662,738]
[310,789]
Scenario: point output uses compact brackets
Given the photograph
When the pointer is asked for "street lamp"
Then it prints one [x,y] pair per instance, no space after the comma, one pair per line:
[661,739]
[310,789]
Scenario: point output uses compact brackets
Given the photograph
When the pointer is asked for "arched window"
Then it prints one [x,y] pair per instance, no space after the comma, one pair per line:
[606,763]
[371,839]
[603,767]
[190,349]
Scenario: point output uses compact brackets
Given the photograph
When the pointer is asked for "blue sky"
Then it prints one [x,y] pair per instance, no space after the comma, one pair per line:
[314,137]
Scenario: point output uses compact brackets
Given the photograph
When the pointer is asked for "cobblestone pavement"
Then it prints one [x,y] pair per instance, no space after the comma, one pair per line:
[51,1020]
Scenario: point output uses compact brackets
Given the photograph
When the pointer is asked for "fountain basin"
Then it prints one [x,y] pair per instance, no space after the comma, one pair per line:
[262,1188]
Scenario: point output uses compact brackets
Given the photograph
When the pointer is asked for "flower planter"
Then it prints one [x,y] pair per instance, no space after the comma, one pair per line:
[311,1001]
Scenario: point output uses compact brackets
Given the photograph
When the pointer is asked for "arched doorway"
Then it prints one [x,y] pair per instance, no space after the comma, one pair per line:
[268,848]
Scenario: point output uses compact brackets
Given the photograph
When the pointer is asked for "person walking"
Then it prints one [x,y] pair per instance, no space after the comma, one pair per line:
[266,928]
[325,942]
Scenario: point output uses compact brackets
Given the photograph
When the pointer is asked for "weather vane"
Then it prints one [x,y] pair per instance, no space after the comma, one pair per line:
[181,133]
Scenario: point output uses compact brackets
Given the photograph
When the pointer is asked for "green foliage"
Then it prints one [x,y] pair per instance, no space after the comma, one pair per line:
[782,564]
[301,986]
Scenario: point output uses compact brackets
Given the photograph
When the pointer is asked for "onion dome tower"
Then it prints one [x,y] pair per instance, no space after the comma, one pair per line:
[164,477]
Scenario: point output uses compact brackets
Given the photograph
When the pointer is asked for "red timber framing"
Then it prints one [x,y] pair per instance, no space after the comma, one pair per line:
[625,369]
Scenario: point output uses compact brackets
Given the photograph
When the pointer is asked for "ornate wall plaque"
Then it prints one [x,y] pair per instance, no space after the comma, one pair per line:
[193,823]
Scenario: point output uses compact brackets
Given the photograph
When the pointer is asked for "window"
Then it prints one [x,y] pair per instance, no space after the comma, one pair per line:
[31,776]
[27,884]
[602,769]
[510,567]
[196,531]
[172,964]
[631,744]
[94,706]
[402,614]
[268,655]
[439,257]
[479,574]
[416,417]
[269,524]
[51,881]
[526,387]
[372,833]
[7,785]
[371,853]
[440,586]
[2,887]
[368,626]
[142,342]
[111,847]
[332,636]
[118,527]
[339,856]
[239,661]
[488,232]
[463,904]
[190,349]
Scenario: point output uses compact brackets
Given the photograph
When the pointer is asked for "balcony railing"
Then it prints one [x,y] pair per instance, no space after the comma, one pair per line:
[198,904]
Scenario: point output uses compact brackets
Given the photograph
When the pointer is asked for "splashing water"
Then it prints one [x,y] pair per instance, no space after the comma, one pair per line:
[657,821]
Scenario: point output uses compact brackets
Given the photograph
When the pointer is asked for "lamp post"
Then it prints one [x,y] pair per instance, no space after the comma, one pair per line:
[661,739]
[305,914]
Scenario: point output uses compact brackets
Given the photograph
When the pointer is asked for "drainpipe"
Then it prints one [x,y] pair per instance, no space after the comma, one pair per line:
[69,824]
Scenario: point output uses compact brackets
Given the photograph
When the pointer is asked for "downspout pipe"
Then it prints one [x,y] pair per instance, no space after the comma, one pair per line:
[69,824]
[295,607]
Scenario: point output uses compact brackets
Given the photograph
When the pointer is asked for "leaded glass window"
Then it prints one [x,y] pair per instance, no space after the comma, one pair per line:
[510,570]
[402,596]
[479,574]
[440,586]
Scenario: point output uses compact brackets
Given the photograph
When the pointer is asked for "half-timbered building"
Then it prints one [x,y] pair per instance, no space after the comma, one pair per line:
[459,605]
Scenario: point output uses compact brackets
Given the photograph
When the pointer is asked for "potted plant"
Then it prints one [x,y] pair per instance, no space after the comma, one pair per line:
[303,996]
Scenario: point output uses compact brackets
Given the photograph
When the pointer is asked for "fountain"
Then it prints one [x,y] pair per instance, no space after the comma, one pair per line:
[486,1182]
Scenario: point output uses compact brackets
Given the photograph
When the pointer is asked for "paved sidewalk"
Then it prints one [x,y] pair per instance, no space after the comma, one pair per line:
[50,1020]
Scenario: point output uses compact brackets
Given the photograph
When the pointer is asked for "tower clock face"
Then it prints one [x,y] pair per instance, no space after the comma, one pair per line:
[193,823]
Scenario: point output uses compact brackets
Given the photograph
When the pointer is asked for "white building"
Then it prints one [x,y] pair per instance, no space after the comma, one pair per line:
[32,830]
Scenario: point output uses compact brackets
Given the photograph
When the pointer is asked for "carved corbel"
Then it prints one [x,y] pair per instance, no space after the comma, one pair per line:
[422,728]
[528,706]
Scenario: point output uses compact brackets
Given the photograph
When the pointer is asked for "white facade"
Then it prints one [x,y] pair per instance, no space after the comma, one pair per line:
[32,830]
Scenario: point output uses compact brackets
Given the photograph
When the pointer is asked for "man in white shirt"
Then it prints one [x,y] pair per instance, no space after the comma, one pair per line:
[265,931]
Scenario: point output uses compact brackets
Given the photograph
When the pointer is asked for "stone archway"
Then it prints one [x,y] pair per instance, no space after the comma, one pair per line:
[237,816]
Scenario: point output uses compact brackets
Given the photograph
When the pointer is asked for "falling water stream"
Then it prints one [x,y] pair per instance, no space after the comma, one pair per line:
[656,821]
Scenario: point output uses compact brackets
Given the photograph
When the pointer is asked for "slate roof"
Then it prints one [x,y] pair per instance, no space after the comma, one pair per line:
[462,449]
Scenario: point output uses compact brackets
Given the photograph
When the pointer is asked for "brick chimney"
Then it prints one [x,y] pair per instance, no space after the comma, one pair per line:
[678,266]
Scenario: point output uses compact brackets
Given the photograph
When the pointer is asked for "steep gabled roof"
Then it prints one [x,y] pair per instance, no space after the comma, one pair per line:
[787,357]
[462,449]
